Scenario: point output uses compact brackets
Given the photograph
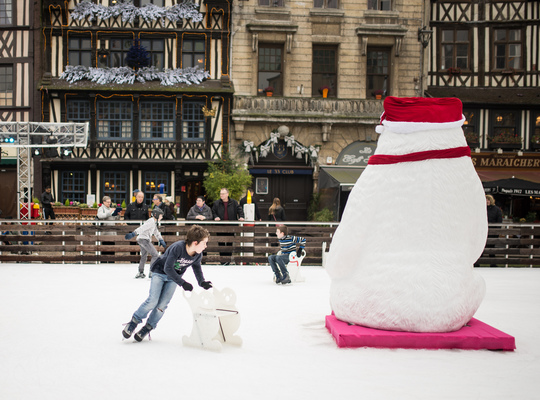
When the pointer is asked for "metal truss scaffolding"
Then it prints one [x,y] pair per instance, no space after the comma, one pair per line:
[26,136]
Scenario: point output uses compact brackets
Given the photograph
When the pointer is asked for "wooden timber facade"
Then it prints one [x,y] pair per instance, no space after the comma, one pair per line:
[142,135]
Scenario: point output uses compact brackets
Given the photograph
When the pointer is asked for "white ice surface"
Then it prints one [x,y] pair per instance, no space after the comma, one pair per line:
[60,338]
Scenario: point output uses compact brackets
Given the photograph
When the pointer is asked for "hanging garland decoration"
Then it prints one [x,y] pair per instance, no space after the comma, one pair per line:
[123,75]
[128,12]
[249,149]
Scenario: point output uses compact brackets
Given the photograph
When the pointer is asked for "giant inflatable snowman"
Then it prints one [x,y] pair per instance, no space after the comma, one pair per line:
[415,222]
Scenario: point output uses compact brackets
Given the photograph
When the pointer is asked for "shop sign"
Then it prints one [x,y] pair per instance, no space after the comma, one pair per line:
[356,154]
[505,161]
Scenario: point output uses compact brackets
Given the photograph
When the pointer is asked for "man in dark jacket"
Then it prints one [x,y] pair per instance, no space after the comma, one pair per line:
[226,209]
[47,200]
[137,211]
[158,202]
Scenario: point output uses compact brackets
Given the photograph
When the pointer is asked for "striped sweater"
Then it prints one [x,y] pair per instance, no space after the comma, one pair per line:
[288,243]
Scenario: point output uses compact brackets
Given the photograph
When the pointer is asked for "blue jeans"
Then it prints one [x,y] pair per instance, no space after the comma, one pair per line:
[161,292]
[281,261]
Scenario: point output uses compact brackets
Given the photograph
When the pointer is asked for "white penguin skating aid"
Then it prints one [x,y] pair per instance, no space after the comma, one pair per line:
[415,222]
[215,319]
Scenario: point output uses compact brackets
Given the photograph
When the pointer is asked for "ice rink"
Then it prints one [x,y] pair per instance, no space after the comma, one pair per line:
[60,338]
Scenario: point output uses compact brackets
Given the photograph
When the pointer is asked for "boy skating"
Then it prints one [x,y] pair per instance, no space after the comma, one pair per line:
[144,239]
[167,273]
[279,262]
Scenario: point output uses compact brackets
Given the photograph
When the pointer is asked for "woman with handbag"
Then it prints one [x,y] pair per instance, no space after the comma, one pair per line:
[276,212]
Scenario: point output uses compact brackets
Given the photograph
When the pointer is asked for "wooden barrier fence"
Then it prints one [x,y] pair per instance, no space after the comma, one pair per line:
[97,242]
[508,245]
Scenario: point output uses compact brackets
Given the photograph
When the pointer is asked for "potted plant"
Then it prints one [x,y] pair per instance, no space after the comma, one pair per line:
[535,141]
[269,91]
[454,71]
[505,140]
[472,139]
[378,93]
[66,210]
[324,90]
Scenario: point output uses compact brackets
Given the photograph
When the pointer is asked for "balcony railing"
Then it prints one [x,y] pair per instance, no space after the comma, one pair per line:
[251,108]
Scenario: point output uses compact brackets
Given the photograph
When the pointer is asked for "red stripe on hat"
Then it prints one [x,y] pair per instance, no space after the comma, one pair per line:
[422,109]
[456,152]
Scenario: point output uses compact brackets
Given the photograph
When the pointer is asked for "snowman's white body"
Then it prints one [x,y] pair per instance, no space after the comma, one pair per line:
[402,257]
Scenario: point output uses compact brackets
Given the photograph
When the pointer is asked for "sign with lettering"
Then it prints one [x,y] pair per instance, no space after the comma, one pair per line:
[356,154]
[505,160]
[280,171]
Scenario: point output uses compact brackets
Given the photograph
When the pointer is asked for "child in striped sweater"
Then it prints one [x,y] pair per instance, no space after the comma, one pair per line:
[279,262]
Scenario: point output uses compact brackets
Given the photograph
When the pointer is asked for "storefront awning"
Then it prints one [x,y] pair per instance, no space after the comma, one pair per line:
[345,177]
[495,175]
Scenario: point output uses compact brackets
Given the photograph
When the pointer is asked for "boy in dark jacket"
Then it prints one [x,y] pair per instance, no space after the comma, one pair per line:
[167,273]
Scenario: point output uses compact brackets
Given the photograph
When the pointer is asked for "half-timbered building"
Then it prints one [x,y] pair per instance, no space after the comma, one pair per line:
[150,128]
[17,88]
[487,53]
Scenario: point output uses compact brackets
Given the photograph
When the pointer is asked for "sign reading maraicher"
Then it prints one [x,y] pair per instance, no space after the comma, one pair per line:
[505,161]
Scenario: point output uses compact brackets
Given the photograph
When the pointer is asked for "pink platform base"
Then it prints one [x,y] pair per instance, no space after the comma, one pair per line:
[474,336]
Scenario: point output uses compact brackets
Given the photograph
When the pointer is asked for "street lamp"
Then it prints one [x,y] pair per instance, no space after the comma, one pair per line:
[424,36]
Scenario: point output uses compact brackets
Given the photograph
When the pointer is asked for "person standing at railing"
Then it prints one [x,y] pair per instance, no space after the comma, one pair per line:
[107,213]
[200,211]
[494,215]
[276,212]
[47,201]
[226,209]
[158,202]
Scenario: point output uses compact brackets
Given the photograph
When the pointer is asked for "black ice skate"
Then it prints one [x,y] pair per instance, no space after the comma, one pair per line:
[130,327]
[145,330]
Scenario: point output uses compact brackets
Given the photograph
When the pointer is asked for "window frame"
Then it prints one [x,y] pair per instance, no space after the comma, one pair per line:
[116,177]
[332,83]
[9,19]
[79,51]
[329,4]
[494,128]
[387,77]
[455,43]
[152,177]
[193,53]
[80,182]
[472,122]
[79,107]
[271,3]
[8,83]
[378,5]
[155,121]
[123,121]
[507,43]
[152,52]
[107,53]
[190,123]
[263,84]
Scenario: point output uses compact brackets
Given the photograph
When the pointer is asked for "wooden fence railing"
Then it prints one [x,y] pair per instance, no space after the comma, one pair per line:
[97,242]
[508,245]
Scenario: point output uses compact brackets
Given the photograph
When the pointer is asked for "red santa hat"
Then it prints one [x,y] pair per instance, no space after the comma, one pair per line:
[410,114]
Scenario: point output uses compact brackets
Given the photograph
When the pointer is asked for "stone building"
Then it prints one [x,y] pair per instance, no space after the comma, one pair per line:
[309,78]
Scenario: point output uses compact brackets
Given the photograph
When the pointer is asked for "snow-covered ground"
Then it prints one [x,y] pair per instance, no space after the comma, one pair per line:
[60,338]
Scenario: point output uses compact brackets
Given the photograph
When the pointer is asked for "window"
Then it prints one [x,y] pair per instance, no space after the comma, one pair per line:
[270,69]
[325,3]
[114,185]
[115,55]
[507,48]
[324,69]
[80,51]
[6,85]
[73,186]
[78,110]
[536,129]
[193,125]
[378,72]
[6,12]
[156,49]
[152,180]
[157,120]
[114,119]
[158,3]
[273,3]
[505,128]
[455,48]
[193,53]
[381,5]
[470,126]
